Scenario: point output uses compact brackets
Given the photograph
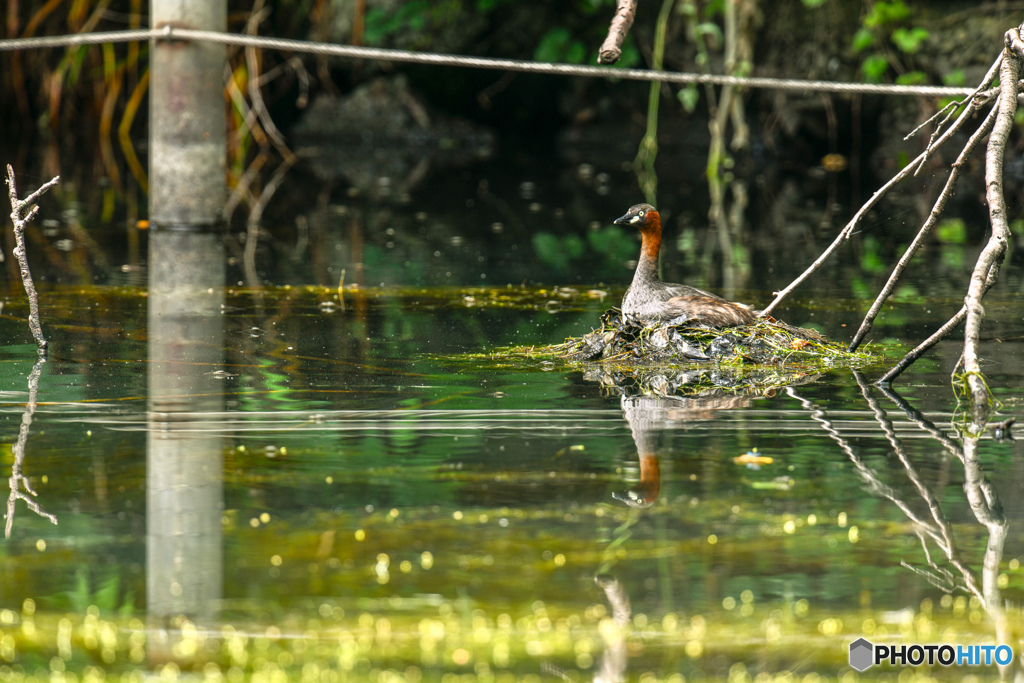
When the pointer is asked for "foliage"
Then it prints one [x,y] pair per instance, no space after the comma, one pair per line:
[558,45]
[952,231]
[883,28]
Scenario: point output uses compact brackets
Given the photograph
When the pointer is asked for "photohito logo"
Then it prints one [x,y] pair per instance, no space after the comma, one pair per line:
[865,654]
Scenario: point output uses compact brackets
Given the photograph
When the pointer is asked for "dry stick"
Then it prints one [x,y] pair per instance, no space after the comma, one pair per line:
[985,83]
[933,218]
[992,255]
[21,219]
[611,48]
[847,231]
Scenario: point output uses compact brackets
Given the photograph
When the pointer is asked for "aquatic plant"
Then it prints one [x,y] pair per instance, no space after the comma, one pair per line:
[767,342]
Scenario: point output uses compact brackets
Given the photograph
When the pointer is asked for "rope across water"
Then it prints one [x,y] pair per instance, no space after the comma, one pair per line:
[385,54]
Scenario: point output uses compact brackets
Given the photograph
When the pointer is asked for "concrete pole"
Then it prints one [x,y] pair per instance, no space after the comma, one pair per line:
[187,125]
[187,191]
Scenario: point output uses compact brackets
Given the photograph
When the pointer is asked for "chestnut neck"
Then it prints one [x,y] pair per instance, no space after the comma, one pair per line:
[650,245]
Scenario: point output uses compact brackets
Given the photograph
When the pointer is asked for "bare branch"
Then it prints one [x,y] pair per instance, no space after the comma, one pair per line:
[933,218]
[992,255]
[21,219]
[973,98]
[611,48]
[847,231]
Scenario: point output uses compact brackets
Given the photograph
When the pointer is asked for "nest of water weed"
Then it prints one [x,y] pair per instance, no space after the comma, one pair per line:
[624,339]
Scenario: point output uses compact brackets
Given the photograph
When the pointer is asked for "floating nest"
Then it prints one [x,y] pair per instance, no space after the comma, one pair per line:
[625,340]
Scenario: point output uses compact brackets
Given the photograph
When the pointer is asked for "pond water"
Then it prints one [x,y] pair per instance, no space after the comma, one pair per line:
[343,476]
[297,483]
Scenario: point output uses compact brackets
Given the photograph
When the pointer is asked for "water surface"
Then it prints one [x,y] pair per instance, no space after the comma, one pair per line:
[297,484]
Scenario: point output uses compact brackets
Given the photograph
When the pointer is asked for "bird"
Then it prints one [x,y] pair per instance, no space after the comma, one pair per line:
[650,300]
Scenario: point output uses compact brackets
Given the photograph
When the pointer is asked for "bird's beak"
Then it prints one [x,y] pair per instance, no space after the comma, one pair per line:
[625,220]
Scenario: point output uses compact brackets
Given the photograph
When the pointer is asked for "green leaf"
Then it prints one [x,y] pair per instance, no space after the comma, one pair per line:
[711,30]
[575,53]
[557,252]
[862,40]
[552,45]
[952,231]
[689,97]
[884,14]
[861,290]
[874,67]
[955,79]
[613,243]
[909,40]
[814,4]
[906,293]
[912,78]
[870,260]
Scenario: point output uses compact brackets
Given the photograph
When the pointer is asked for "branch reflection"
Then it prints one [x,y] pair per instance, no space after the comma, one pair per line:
[934,528]
[21,489]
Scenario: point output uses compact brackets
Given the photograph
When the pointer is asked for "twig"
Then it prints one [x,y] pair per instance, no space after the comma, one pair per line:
[973,97]
[21,214]
[611,48]
[987,266]
[933,218]
[18,480]
[847,231]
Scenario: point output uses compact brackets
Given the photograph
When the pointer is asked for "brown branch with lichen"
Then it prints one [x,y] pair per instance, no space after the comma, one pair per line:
[618,29]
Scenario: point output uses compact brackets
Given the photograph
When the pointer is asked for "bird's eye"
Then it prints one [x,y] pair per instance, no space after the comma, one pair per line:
[640,213]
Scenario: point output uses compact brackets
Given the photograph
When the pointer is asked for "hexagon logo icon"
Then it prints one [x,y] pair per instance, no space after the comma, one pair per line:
[861,654]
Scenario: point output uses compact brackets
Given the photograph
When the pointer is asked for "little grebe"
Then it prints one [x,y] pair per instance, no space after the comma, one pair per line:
[651,300]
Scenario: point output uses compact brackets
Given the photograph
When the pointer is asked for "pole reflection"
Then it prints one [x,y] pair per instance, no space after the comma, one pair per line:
[184,462]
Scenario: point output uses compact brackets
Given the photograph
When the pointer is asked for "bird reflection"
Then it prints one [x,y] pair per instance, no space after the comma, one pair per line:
[650,415]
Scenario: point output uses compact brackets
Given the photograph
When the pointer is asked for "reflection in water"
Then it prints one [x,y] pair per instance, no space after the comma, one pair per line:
[184,475]
[18,480]
[613,661]
[647,417]
[934,527]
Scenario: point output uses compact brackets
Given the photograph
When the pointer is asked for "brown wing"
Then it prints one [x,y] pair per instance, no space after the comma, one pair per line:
[711,310]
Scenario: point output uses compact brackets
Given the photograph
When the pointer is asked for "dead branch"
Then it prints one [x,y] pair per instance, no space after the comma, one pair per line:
[991,257]
[22,211]
[618,29]
[926,228]
[954,105]
[847,231]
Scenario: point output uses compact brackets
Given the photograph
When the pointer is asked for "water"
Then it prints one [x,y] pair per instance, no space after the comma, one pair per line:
[297,485]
